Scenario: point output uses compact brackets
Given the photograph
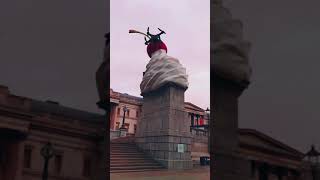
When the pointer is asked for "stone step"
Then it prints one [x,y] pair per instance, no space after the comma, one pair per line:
[128,158]
[123,151]
[132,147]
[135,167]
[130,153]
[123,148]
[122,144]
[134,164]
[136,170]
[127,155]
[131,162]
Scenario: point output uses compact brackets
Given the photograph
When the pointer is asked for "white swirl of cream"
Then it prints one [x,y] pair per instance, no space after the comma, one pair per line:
[161,70]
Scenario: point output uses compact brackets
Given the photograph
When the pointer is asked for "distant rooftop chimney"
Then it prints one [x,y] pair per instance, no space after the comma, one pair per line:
[52,102]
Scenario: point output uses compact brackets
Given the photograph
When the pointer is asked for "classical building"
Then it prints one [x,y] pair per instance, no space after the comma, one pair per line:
[133,104]
[268,157]
[26,125]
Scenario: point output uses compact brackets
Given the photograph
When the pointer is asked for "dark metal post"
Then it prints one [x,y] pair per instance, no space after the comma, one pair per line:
[197,116]
[125,109]
[192,119]
[208,116]
[47,154]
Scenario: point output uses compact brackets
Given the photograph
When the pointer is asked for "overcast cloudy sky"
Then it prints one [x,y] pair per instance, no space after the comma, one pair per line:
[186,23]
[283,98]
[52,49]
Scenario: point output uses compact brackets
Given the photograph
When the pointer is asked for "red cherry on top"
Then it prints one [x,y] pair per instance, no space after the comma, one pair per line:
[155,46]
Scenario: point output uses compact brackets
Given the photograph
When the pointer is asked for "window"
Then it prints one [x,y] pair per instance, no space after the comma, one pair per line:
[135,128]
[128,113]
[86,171]
[127,125]
[117,125]
[137,114]
[57,163]
[118,111]
[27,157]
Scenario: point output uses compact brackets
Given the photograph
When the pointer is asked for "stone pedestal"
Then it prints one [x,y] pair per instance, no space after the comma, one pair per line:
[123,132]
[226,165]
[163,130]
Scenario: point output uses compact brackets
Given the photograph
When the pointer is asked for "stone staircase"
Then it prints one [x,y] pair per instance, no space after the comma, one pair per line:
[125,157]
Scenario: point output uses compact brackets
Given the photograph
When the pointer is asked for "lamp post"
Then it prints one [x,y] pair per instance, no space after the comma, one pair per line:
[47,154]
[125,109]
[192,121]
[313,158]
[123,129]
[208,126]
[197,116]
[208,116]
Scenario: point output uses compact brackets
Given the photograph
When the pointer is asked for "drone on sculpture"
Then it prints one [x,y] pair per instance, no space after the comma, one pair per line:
[152,37]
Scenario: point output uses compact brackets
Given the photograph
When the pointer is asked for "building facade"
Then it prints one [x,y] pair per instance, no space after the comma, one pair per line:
[26,125]
[198,116]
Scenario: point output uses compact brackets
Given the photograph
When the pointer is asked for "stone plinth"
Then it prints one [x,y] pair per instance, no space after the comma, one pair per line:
[226,165]
[123,131]
[163,126]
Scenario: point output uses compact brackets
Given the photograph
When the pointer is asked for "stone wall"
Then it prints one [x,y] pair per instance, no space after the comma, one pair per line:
[163,127]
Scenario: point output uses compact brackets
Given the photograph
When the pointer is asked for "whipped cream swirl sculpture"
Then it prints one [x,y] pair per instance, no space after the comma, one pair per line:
[230,51]
[161,69]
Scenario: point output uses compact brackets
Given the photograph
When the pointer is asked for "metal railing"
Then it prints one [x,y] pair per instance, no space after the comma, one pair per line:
[200,130]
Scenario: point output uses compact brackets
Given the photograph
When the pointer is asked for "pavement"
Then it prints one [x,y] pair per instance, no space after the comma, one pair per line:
[200,173]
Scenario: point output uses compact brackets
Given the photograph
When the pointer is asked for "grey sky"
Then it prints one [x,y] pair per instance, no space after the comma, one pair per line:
[188,39]
[51,49]
[283,99]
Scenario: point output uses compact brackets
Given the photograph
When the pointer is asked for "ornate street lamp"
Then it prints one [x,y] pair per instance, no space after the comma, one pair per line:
[125,109]
[123,129]
[313,158]
[208,114]
[47,153]
[208,126]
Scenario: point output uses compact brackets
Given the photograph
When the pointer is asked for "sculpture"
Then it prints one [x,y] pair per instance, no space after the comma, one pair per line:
[161,69]
[229,48]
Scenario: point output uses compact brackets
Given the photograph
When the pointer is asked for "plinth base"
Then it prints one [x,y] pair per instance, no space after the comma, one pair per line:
[172,152]
[163,131]
[123,132]
[227,167]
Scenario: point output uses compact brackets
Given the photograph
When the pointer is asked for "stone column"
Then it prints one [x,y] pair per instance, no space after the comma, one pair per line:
[163,130]
[226,164]
[112,115]
[231,74]
[103,87]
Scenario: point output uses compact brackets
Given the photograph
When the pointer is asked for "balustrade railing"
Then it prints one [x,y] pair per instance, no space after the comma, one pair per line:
[201,130]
